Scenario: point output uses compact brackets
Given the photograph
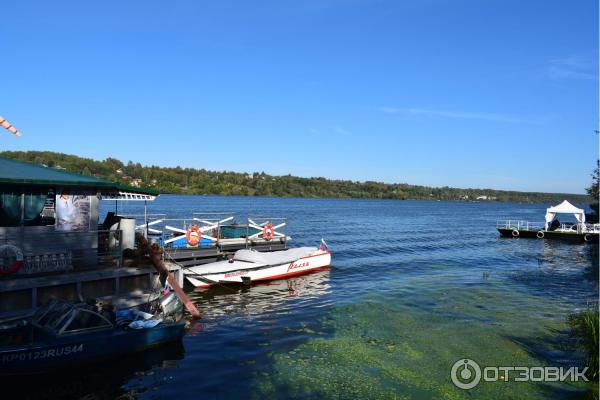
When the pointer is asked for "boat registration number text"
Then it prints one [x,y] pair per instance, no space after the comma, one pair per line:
[41,354]
[232,274]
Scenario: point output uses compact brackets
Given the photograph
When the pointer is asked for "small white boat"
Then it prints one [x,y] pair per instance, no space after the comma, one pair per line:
[249,266]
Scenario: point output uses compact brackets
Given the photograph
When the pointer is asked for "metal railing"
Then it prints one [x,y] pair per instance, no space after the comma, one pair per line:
[579,228]
[208,228]
[214,229]
[520,225]
[168,231]
[147,223]
[537,226]
[266,229]
[592,228]
[47,251]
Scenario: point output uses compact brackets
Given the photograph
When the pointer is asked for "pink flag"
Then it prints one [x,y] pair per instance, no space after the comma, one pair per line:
[5,124]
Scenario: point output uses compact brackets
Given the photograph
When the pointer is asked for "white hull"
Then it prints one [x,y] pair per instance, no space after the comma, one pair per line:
[204,276]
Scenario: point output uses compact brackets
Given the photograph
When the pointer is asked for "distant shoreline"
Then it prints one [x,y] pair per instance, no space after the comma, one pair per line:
[191,181]
[584,203]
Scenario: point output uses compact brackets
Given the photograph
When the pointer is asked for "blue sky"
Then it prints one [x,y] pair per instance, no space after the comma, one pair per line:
[464,93]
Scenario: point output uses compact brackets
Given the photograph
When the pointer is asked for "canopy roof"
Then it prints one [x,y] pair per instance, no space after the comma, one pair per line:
[19,173]
[564,208]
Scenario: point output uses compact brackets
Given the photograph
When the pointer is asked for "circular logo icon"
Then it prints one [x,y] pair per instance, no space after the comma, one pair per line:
[465,374]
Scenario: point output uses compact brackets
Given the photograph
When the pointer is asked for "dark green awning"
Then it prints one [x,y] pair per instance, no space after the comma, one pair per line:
[19,173]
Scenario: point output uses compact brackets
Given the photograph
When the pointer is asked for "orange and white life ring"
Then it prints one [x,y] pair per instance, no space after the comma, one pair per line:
[268,232]
[17,265]
[193,235]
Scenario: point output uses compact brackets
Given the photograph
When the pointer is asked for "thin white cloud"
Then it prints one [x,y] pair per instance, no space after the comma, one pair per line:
[341,131]
[451,114]
[333,130]
[574,67]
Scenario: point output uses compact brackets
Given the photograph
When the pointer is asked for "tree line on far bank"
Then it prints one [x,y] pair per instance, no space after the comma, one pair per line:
[201,181]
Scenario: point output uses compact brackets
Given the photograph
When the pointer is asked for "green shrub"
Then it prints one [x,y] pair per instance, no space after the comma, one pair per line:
[584,326]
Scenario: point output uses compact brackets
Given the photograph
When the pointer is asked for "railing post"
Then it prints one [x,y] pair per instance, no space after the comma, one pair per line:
[247,229]
[285,233]
[218,232]
[120,248]
[146,219]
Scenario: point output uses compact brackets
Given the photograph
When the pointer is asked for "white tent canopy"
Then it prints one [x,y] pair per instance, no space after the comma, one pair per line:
[564,208]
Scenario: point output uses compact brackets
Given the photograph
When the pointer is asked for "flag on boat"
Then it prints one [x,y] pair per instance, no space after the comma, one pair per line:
[323,245]
[6,125]
[167,289]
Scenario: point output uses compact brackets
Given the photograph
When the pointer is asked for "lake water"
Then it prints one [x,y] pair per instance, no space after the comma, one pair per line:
[414,287]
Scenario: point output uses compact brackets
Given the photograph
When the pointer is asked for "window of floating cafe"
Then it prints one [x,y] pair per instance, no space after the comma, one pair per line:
[31,206]
[22,206]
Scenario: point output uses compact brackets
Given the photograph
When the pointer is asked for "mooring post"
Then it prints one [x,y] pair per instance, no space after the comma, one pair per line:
[162,268]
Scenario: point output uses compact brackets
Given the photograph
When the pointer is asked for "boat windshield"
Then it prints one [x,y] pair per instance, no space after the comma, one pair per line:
[51,316]
[84,320]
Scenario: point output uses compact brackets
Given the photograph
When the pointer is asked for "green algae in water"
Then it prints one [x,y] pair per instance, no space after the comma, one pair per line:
[403,346]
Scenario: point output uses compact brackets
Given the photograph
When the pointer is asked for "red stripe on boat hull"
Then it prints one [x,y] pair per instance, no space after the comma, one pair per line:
[271,278]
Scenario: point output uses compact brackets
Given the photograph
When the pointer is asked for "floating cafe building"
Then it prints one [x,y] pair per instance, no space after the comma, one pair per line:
[51,243]
[53,246]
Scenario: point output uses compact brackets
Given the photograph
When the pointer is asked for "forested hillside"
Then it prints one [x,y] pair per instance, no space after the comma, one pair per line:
[200,181]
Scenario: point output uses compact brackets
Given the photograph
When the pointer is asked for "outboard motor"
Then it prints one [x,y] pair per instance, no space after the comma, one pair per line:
[170,304]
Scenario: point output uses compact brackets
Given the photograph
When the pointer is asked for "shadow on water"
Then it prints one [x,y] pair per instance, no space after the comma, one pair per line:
[560,267]
[593,257]
[557,349]
[112,379]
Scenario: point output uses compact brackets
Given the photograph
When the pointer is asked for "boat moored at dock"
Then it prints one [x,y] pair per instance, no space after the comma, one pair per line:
[65,334]
[248,265]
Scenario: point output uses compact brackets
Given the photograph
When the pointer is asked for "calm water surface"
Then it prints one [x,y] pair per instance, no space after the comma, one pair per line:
[415,286]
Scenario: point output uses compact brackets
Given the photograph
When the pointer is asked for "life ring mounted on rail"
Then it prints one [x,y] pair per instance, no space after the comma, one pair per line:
[268,232]
[515,233]
[18,255]
[587,237]
[540,234]
[193,235]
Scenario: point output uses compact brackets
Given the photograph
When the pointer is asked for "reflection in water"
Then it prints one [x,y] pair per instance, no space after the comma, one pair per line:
[564,254]
[263,298]
[106,380]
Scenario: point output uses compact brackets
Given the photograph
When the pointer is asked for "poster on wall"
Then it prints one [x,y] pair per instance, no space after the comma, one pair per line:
[72,212]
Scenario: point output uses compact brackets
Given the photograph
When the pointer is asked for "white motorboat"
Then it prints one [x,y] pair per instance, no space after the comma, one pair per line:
[249,266]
